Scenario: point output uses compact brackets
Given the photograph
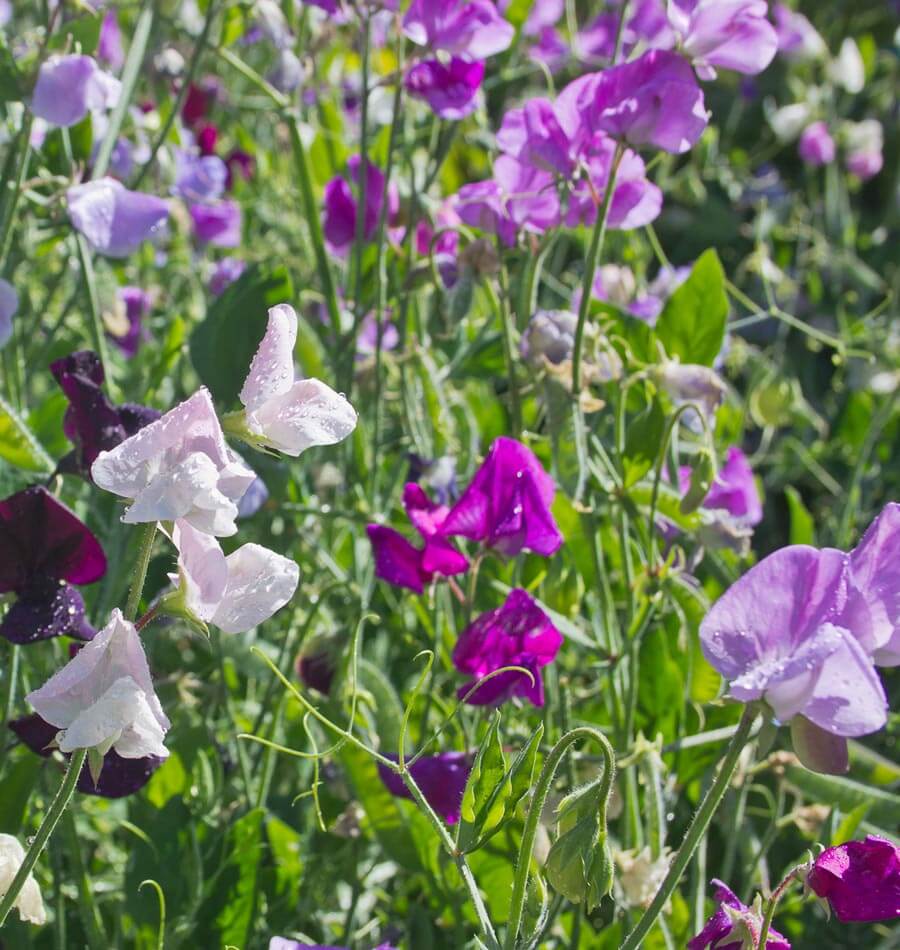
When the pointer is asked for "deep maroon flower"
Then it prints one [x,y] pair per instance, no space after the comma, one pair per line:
[44,549]
[92,423]
[136,304]
[199,101]
[118,777]
[207,137]
[400,563]
[218,223]
[507,504]
[450,89]
[518,633]
[860,879]
[339,216]
[720,932]
[441,779]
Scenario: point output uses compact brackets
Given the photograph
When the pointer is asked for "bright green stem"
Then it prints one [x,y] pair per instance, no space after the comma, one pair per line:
[87,906]
[148,533]
[99,332]
[501,310]
[51,819]
[11,187]
[772,904]
[539,799]
[696,830]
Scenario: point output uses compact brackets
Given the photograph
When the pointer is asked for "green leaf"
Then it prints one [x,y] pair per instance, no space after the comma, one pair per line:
[692,324]
[224,343]
[846,794]
[18,445]
[848,827]
[803,528]
[642,442]
[15,791]
[11,83]
[84,31]
[487,789]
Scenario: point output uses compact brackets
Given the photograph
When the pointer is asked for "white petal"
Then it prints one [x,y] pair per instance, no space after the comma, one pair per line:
[259,583]
[28,903]
[272,369]
[203,567]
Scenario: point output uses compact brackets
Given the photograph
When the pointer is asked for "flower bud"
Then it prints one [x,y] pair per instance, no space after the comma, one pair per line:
[550,335]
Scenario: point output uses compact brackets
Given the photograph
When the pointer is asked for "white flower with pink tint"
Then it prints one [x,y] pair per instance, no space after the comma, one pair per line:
[178,467]
[103,698]
[29,903]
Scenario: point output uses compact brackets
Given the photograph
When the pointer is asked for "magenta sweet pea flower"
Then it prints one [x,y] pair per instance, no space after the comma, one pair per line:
[44,550]
[470,28]
[450,89]
[114,220]
[218,223]
[339,215]
[731,923]
[734,489]
[518,633]
[859,879]
[69,87]
[400,563]
[507,503]
[816,146]
[535,136]
[441,779]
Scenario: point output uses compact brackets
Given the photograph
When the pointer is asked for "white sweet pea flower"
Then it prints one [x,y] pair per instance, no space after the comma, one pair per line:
[103,698]
[281,412]
[28,903]
[178,467]
[848,69]
[235,593]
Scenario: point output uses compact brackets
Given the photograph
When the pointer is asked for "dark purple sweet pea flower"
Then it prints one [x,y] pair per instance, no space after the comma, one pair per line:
[816,146]
[218,224]
[44,549]
[859,879]
[136,304]
[119,777]
[451,89]
[69,87]
[778,634]
[318,664]
[114,220]
[238,162]
[734,489]
[225,272]
[441,779]
[92,423]
[518,633]
[199,101]
[507,504]
[731,923]
[206,138]
[400,563]
[653,100]
[470,28]
[339,215]
[109,46]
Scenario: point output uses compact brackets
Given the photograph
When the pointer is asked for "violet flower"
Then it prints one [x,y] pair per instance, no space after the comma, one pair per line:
[441,779]
[402,564]
[797,37]
[816,146]
[518,633]
[136,304]
[199,178]
[859,879]
[507,503]
[109,45]
[734,489]
[734,925]
[69,87]
[470,28]
[535,136]
[44,550]
[450,89]
[340,207]
[114,220]
[9,305]
[225,273]
[92,423]
[218,223]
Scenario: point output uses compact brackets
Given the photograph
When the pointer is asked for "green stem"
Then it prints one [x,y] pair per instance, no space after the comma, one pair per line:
[99,332]
[51,819]
[87,906]
[8,214]
[147,535]
[361,202]
[696,830]
[501,311]
[772,903]
[536,808]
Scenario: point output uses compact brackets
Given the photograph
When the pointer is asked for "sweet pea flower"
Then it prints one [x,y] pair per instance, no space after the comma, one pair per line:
[400,563]
[848,69]
[199,178]
[118,778]
[218,223]
[44,550]
[69,87]
[234,593]
[283,413]
[816,146]
[114,220]
[731,34]
[135,304]
[733,490]
[859,879]
[518,633]
[225,273]
[441,779]
[91,422]
[178,467]
[734,925]
[797,37]
[865,143]
[507,503]
[103,697]
[29,903]
[340,207]
[450,89]
[254,498]
[9,304]
[550,335]
[691,383]
[109,45]
[534,135]
[470,28]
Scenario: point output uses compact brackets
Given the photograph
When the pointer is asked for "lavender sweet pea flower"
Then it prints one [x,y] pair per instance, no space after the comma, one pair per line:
[859,879]
[441,778]
[543,13]
[340,208]
[816,146]
[732,921]
[450,89]
[114,220]
[518,633]
[797,37]
[199,178]
[470,28]
[9,305]
[44,549]
[218,224]
[225,272]
[731,34]
[109,46]
[136,304]
[734,489]
[69,87]
[507,504]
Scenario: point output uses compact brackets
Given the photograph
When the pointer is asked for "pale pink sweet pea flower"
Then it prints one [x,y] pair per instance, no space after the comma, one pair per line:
[234,593]
[103,698]
[29,903]
[284,413]
[68,87]
[178,467]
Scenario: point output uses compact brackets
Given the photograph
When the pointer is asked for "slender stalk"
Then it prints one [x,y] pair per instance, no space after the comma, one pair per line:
[772,904]
[99,332]
[542,789]
[39,841]
[13,185]
[696,830]
[362,199]
[147,535]
[90,914]
[501,311]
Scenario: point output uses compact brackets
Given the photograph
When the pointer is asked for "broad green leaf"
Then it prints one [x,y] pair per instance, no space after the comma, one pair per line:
[692,324]
[847,829]
[642,442]
[803,528]
[18,445]
[168,780]
[483,803]
[84,31]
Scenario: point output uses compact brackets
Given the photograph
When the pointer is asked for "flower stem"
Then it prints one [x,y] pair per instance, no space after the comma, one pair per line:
[772,903]
[90,286]
[542,789]
[148,533]
[696,830]
[50,821]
